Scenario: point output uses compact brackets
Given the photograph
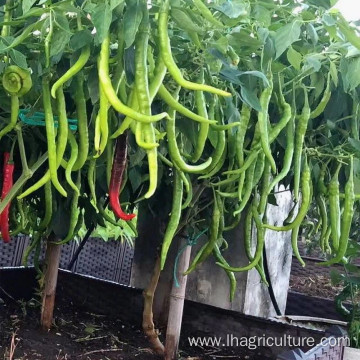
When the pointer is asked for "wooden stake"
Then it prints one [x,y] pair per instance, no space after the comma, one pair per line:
[148,323]
[52,260]
[177,297]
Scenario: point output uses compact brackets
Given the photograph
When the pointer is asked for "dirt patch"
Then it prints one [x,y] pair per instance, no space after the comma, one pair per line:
[81,335]
[314,285]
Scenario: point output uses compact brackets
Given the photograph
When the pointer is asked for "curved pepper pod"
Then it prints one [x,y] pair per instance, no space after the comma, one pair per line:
[118,168]
[16,81]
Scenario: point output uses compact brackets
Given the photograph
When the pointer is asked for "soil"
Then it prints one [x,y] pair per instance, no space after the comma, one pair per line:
[314,285]
[81,335]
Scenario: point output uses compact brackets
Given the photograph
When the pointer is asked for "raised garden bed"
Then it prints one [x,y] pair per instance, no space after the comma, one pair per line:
[93,315]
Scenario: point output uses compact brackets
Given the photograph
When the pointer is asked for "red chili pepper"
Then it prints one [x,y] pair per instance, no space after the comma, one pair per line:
[117,171]
[8,171]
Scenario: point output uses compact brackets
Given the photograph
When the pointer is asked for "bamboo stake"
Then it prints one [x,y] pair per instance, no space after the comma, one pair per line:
[177,297]
[52,260]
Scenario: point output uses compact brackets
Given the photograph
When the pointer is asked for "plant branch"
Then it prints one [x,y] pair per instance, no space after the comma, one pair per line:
[148,323]
[25,176]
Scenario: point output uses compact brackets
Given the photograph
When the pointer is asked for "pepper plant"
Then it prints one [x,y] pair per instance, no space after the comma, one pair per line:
[215,104]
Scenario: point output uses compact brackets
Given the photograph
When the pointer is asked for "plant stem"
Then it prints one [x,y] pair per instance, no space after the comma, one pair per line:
[5,31]
[25,176]
[24,163]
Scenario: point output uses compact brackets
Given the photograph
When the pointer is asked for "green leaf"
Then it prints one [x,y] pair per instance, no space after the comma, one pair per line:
[233,9]
[18,58]
[336,277]
[115,3]
[59,41]
[65,7]
[334,73]
[262,15]
[89,214]
[129,60]
[355,144]
[221,44]
[132,20]
[350,71]
[313,35]
[101,17]
[232,114]
[137,157]
[312,62]
[294,58]
[26,5]
[80,39]
[327,4]
[250,97]
[287,35]
[60,221]
[135,178]
[239,39]
[233,75]
[61,21]
[351,268]
[93,85]
[329,20]
[213,137]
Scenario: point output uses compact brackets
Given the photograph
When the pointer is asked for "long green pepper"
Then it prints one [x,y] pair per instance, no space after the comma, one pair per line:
[346,219]
[50,136]
[174,217]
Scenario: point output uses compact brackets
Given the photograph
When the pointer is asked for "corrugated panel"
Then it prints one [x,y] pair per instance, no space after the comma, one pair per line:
[111,260]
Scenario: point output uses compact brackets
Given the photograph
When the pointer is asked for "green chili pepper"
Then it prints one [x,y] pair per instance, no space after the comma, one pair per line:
[294,244]
[320,201]
[207,14]
[248,245]
[60,144]
[74,213]
[263,123]
[81,113]
[174,217]
[174,150]
[264,188]
[189,191]
[324,101]
[356,117]
[259,169]
[305,203]
[213,236]
[219,258]
[334,207]
[241,132]
[165,53]
[274,133]
[301,128]
[72,160]
[260,233]
[173,103]
[50,135]
[204,127]
[48,208]
[346,219]
[110,93]
[91,177]
[289,152]
[76,68]
[248,189]
[219,155]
